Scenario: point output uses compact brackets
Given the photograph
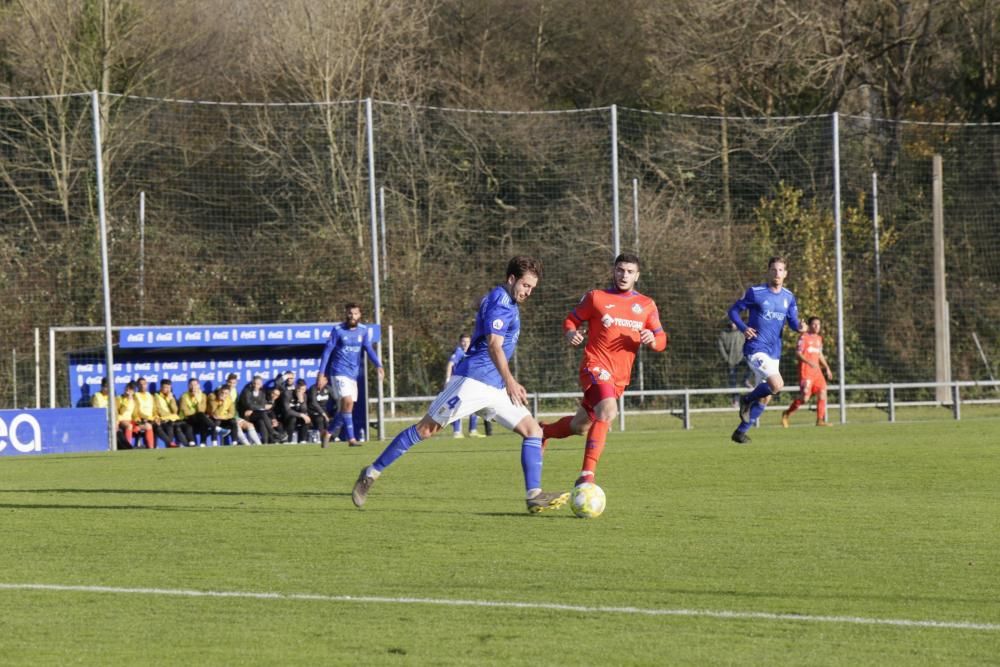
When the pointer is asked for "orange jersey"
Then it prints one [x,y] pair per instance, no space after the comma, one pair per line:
[614,320]
[810,347]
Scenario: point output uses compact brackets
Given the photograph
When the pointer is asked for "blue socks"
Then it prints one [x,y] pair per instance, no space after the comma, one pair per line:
[531,463]
[348,419]
[756,407]
[398,447]
[759,392]
[473,422]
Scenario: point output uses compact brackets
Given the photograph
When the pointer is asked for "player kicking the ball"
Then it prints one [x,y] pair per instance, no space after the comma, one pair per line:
[770,305]
[618,321]
[482,380]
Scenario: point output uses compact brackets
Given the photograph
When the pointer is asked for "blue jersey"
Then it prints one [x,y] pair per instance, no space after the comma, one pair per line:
[342,354]
[456,356]
[768,313]
[498,314]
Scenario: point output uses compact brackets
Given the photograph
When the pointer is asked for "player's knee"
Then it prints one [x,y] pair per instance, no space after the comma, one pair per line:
[532,430]
[427,427]
[776,384]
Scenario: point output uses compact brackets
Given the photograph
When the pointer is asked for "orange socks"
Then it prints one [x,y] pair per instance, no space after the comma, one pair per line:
[557,430]
[794,406]
[596,436]
[820,410]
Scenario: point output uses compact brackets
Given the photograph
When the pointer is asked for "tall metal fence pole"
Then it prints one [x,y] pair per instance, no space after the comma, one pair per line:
[840,267]
[381,222]
[615,227]
[373,209]
[52,367]
[878,261]
[142,258]
[38,369]
[105,273]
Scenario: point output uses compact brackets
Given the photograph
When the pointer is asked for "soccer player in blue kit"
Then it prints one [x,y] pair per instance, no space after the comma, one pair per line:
[464,341]
[483,380]
[341,361]
[769,306]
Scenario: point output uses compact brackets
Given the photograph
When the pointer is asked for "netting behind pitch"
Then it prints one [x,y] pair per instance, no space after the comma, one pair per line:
[50,264]
[890,314]
[716,199]
[261,213]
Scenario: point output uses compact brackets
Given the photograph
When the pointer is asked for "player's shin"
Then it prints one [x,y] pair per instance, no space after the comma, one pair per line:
[596,437]
[396,448]
[531,465]
[348,419]
[820,410]
[794,406]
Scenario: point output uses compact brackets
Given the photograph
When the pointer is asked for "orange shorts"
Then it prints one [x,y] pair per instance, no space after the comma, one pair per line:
[816,381]
[596,388]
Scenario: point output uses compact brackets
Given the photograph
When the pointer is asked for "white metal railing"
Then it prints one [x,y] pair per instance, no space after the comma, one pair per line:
[685,412]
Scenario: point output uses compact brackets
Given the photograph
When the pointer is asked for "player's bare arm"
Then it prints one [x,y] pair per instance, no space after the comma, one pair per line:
[826,366]
[518,394]
[799,356]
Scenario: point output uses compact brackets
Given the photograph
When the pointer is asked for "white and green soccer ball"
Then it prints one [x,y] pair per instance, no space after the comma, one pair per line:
[588,500]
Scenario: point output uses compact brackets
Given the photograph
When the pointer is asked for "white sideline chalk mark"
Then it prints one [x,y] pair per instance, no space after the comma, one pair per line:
[548,606]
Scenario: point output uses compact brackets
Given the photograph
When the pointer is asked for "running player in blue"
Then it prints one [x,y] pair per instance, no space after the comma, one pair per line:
[341,362]
[769,306]
[464,341]
[483,380]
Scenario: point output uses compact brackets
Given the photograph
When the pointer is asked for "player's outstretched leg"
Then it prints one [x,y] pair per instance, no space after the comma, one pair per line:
[557,430]
[369,474]
[456,429]
[531,463]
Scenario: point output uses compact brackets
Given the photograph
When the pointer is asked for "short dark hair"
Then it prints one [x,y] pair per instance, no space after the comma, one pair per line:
[350,305]
[811,318]
[130,385]
[628,258]
[522,264]
[166,381]
[232,376]
[776,258]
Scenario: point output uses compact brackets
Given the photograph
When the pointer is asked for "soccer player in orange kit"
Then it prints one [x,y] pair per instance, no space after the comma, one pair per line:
[618,320]
[812,365]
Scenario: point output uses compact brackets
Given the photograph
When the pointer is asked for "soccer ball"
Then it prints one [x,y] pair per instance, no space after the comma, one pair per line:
[587,500]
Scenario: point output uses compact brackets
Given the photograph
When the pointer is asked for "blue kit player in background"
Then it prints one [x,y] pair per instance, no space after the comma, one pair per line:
[483,380]
[769,306]
[341,362]
[464,341]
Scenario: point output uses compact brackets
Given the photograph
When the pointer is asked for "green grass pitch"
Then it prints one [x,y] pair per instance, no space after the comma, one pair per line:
[810,546]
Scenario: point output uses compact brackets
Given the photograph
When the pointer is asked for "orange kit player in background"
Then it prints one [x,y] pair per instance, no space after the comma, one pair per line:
[812,365]
[618,320]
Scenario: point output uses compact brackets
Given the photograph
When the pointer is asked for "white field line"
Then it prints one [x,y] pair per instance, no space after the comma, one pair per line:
[548,606]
